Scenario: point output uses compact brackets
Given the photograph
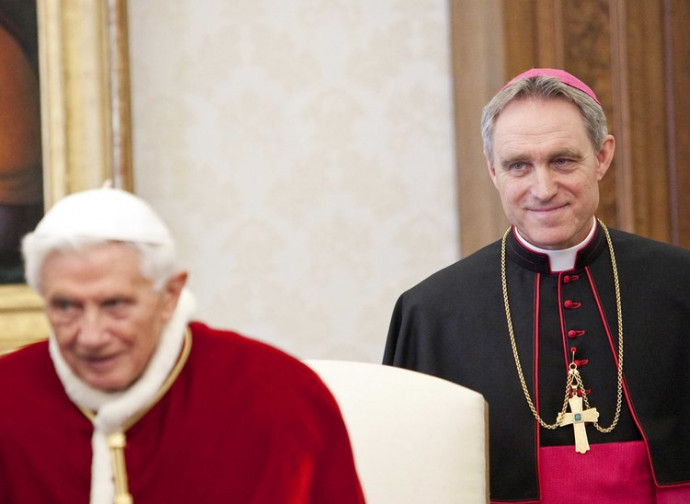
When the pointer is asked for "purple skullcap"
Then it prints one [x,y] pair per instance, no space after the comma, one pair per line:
[561,75]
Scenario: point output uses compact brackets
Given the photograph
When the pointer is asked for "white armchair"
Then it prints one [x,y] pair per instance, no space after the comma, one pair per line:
[416,438]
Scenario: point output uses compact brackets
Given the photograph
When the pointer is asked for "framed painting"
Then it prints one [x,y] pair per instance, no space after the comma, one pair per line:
[74,117]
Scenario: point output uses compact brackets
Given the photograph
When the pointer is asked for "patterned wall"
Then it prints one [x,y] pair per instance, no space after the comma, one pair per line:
[302,152]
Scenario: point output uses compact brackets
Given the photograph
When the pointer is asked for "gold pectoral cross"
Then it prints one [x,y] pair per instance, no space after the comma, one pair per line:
[577,417]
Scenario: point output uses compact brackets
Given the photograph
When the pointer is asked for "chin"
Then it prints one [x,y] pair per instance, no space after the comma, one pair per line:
[106,384]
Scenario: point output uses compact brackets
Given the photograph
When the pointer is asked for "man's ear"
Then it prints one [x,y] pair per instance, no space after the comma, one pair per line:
[492,170]
[171,293]
[605,156]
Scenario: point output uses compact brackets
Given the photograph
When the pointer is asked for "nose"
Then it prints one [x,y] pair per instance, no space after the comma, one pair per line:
[92,330]
[544,186]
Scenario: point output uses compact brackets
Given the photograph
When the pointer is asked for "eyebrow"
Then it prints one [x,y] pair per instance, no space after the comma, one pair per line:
[565,152]
[54,301]
[512,159]
[569,153]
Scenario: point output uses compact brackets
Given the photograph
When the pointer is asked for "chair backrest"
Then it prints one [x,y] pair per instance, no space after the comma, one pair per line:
[416,438]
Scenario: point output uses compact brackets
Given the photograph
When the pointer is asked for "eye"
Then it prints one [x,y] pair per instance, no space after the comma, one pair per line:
[62,310]
[518,166]
[564,163]
[116,306]
[63,305]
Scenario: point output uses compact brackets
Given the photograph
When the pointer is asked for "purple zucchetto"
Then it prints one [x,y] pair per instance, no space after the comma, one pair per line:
[561,75]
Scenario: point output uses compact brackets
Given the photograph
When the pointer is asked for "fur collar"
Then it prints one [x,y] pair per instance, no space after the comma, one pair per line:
[114,409]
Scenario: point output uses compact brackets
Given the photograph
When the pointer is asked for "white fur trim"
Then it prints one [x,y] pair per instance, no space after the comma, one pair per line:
[113,409]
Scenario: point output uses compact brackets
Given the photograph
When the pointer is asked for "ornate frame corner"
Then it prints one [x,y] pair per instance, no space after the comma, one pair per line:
[85,121]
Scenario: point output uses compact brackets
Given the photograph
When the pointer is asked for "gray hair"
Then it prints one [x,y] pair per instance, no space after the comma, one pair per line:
[157,261]
[545,88]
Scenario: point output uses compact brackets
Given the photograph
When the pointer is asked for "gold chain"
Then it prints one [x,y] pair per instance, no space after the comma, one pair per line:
[573,375]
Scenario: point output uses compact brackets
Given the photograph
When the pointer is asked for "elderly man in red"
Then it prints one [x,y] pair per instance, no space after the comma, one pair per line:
[130,401]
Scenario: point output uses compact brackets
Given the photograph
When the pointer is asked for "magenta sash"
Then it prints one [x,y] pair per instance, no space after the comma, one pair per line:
[610,473]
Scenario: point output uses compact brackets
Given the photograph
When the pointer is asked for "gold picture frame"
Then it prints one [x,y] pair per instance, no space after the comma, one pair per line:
[85,121]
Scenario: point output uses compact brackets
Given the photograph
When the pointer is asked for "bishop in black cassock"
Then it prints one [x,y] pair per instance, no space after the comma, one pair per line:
[453,325]
[567,310]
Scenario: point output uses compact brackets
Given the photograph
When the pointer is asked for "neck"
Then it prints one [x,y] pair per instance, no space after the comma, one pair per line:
[559,260]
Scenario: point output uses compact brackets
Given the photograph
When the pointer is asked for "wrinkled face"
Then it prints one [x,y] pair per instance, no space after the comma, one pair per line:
[547,172]
[106,317]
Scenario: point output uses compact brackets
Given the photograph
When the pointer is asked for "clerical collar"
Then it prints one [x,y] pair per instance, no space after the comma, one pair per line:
[559,260]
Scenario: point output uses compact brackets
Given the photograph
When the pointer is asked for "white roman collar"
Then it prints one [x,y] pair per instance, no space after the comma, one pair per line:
[559,260]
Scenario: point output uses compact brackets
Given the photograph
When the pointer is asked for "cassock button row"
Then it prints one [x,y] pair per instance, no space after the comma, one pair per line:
[570,278]
[571,305]
[575,333]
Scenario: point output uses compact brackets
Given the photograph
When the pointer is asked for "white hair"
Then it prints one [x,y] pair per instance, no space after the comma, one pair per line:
[96,217]
[544,88]
[157,261]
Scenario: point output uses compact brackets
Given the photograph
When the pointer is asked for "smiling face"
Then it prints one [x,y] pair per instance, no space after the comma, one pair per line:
[106,316]
[547,172]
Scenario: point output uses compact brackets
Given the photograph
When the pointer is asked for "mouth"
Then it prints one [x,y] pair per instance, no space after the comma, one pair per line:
[547,211]
[549,208]
[99,363]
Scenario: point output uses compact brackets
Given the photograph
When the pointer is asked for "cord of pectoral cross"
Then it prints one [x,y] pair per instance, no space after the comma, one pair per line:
[535,413]
[580,387]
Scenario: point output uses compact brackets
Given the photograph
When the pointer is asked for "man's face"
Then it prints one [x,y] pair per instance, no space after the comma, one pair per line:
[546,171]
[106,317]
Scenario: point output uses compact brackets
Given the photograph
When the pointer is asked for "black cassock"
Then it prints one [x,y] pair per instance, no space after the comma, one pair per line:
[453,325]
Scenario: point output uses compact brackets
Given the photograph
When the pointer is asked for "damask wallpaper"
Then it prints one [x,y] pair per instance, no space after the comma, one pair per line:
[302,152]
